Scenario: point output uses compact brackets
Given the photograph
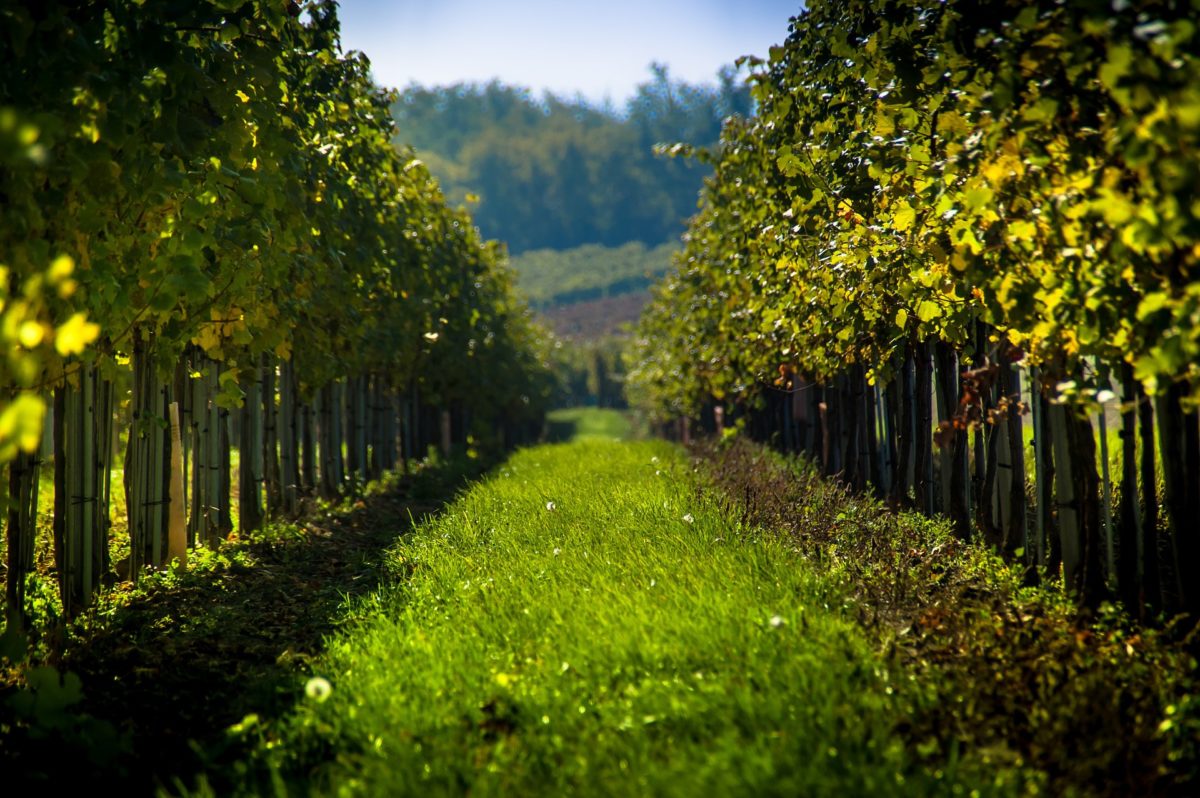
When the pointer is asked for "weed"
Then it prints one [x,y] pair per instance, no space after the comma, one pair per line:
[999,672]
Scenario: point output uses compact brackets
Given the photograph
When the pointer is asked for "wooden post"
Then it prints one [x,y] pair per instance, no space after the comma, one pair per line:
[923,434]
[177,530]
[1150,592]
[1110,561]
[1068,512]
[250,445]
[271,477]
[22,529]
[1017,530]
[1129,532]
[288,463]
[1178,438]
[953,456]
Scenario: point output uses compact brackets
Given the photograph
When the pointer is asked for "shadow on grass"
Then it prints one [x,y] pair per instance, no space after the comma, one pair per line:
[168,673]
[561,431]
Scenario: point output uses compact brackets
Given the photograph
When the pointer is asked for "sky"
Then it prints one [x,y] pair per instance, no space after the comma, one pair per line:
[600,49]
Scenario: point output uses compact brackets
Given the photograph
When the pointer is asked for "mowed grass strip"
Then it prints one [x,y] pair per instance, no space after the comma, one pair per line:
[587,621]
[575,423]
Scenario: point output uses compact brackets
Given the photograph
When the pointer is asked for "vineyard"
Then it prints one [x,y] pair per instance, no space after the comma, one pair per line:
[210,246]
[958,224]
[301,497]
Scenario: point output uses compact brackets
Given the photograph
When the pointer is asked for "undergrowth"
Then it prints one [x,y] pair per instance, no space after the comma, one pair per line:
[1018,675]
[142,688]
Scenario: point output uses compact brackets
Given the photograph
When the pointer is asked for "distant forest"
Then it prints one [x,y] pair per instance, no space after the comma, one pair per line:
[556,173]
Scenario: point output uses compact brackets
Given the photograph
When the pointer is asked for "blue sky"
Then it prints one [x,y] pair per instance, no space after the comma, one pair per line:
[600,49]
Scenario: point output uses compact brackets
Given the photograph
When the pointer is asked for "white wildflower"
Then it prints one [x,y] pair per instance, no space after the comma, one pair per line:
[318,688]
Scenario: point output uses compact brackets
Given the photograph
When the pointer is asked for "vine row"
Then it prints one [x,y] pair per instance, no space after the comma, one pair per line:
[210,242]
[956,221]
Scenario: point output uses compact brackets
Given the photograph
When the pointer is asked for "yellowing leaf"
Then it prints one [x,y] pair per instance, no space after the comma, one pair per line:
[901,317]
[1053,41]
[60,267]
[1052,299]
[1070,343]
[1115,206]
[978,198]
[1151,304]
[953,123]
[1004,291]
[904,217]
[928,311]
[1120,58]
[31,334]
[75,334]
[206,337]
[21,425]
[885,126]
[241,95]
[1021,230]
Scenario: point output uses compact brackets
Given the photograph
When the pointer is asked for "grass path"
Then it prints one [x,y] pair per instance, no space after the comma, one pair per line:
[590,621]
[582,423]
[606,617]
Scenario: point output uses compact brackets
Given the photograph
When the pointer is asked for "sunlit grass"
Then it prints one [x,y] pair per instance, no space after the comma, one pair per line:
[588,622]
[588,422]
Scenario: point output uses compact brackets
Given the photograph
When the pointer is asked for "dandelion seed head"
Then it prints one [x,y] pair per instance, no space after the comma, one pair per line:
[318,688]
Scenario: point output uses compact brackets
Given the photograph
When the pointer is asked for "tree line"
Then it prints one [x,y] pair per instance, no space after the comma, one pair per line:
[209,241]
[557,173]
[980,213]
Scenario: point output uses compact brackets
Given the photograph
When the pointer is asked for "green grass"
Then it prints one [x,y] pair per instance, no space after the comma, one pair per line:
[168,665]
[588,621]
[588,422]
